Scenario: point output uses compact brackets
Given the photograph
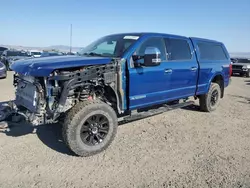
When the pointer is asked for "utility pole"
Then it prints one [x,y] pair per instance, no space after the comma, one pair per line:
[70,38]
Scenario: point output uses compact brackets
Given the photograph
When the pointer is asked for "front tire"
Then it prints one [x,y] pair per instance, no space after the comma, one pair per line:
[89,127]
[210,101]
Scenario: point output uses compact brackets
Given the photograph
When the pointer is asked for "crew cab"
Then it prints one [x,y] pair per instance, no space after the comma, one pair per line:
[116,79]
[10,56]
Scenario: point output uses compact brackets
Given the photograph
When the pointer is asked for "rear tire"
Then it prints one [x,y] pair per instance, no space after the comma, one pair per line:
[89,128]
[210,101]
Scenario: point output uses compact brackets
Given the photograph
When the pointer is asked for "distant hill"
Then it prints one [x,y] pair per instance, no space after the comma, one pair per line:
[61,48]
[240,54]
[64,48]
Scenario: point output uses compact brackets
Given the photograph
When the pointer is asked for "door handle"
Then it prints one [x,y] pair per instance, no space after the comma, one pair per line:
[193,68]
[168,71]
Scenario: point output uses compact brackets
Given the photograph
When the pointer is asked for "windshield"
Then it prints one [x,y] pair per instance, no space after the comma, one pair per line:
[243,61]
[35,53]
[16,53]
[24,54]
[110,46]
[3,49]
[46,54]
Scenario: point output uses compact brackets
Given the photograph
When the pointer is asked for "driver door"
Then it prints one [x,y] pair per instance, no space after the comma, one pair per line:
[148,85]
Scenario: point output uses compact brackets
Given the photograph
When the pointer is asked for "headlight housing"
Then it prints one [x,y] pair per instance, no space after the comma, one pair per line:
[246,67]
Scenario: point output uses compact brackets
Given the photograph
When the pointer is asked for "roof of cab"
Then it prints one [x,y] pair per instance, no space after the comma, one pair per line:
[166,34]
[205,40]
[148,33]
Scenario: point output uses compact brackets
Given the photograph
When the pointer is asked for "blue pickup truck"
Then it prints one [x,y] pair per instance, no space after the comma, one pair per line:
[116,79]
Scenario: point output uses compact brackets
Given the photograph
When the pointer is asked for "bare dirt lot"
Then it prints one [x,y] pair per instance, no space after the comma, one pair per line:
[181,148]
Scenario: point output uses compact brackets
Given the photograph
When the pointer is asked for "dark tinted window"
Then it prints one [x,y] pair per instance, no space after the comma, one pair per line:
[13,53]
[153,42]
[24,54]
[241,60]
[211,51]
[178,49]
[35,53]
[2,49]
[233,60]
[127,44]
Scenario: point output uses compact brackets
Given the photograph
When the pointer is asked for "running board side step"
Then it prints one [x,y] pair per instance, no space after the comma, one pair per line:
[152,112]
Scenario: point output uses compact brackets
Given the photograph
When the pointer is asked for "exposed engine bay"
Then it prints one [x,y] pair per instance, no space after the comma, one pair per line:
[43,100]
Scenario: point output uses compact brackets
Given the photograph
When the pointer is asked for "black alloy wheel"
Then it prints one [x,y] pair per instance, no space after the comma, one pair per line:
[94,130]
[214,97]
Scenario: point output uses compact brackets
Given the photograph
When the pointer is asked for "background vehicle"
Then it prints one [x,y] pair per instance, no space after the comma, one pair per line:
[119,78]
[3,71]
[241,66]
[70,53]
[10,56]
[47,54]
[35,53]
[2,49]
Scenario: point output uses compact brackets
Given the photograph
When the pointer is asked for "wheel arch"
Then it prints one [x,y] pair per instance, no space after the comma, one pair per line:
[114,97]
[219,79]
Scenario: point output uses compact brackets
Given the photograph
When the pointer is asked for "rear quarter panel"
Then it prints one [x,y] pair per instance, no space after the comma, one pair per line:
[209,69]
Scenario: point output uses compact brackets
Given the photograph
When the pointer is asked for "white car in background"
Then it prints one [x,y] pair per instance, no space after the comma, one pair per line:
[35,53]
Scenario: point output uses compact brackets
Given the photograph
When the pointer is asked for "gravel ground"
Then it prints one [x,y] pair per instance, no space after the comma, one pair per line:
[181,148]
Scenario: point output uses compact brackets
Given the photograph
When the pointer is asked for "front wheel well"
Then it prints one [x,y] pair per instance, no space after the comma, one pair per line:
[220,81]
[114,98]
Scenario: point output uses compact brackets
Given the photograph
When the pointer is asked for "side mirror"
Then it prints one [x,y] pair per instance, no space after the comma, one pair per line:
[152,57]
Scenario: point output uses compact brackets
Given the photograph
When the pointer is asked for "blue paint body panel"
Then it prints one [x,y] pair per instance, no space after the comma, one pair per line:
[151,85]
[210,69]
[145,86]
[43,66]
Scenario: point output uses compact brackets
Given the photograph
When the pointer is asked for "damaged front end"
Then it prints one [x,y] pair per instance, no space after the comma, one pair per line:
[29,103]
[45,100]
[36,101]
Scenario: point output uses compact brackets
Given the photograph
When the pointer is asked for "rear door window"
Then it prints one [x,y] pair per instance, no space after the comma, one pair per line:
[178,49]
[211,51]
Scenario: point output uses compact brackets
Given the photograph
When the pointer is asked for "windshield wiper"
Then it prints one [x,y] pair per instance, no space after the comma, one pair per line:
[93,54]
